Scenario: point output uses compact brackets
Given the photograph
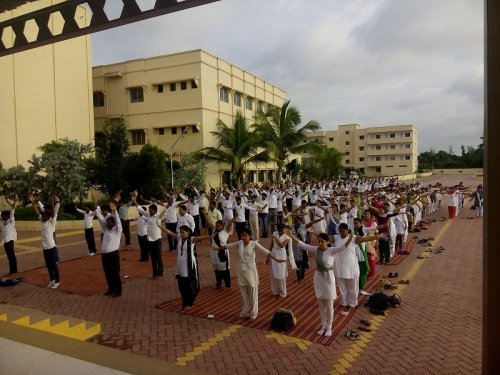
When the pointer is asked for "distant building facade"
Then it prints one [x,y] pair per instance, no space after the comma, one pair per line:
[174,102]
[46,92]
[376,151]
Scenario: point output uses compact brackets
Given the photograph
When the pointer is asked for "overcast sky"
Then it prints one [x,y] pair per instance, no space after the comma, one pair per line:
[372,62]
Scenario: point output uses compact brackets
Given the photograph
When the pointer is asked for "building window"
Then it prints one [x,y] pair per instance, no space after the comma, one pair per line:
[184,85]
[173,86]
[98,99]
[237,99]
[347,143]
[378,169]
[378,147]
[173,130]
[195,129]
[393,147]
[347,153]
[361,137]
[330,139]
[226,177]
[377,158]
[408,145]
[194,85]
[161,131]
[224,94]
[347,132]
[407,135]
[261,176]
[392,135]
[362,170]
[407,157]
[270,176]
[249,103]
[260,106]
[136,95]
[377,136]
[137,137]
[361,159]
[347,161]
[159,89]
[393,158]
[361,148]
[402,166]
[390,166]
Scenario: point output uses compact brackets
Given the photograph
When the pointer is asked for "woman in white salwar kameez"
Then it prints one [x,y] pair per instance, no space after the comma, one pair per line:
[248,277]
[281,248]
[324,279]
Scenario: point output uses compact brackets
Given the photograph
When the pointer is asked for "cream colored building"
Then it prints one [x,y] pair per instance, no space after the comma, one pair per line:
[45,93]
[174,102]
[377,151]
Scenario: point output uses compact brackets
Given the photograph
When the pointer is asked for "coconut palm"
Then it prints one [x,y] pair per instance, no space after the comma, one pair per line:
[283,134]
[237,146]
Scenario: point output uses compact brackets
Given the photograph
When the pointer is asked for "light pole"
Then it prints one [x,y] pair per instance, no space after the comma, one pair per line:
[184,129]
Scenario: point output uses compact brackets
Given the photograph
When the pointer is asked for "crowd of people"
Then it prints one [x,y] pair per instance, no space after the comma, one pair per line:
[345,226]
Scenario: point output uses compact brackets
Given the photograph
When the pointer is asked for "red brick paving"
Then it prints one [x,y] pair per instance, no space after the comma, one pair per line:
[437,330]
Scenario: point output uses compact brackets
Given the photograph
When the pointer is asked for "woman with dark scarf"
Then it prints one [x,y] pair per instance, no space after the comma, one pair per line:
[186,271]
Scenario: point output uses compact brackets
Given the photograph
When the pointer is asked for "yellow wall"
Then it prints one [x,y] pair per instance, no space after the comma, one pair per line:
[45,93]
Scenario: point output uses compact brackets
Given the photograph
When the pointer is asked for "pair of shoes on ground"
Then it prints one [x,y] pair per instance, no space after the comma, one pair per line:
[404,282]
[91,254]
[393,275]
[111,293]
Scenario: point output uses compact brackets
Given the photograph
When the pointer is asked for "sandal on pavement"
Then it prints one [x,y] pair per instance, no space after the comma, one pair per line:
[365,322]
[365,329]
[352,335]
[404,282]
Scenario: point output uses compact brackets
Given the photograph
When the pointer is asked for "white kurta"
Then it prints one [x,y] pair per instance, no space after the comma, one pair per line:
[324,281]
[247,270]
[346,263]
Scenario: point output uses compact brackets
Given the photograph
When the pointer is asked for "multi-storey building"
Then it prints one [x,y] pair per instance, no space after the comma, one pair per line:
[377,151]
[175,101]
[45,93]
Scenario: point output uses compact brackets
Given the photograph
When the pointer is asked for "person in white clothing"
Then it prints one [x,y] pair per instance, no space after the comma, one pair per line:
[142,236]
[9,234]
[112,230]
[324,279]
[346,267]
[220,259]
[154,237]
[248,277]
[281,248]
[184,219]
[88,217]
[48,220]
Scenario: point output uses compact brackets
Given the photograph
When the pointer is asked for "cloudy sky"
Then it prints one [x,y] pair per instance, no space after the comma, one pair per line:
[372,62]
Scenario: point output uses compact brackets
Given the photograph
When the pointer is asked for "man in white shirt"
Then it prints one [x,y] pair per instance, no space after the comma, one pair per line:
[48,219]
[194,210]
[184,219]
[154,238]
[170,216]
[9,234]
[112,231]
[88,216]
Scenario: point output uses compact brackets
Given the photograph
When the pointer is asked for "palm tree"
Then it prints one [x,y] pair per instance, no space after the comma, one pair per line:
[281,130]
[237,146]
[326,163]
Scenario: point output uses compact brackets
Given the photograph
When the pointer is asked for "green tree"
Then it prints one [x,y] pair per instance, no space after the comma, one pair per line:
[60,170]
[190,171]
[146,171]
[111,150]
[237,147]
[326,163]
[283,135]
[14,182]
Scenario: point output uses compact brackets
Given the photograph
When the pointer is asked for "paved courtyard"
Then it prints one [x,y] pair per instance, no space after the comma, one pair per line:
[436,330]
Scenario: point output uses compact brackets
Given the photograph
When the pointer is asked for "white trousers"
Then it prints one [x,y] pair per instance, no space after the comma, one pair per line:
[278,286]
[326,313]
[254,227]
[249,301]
[349,291]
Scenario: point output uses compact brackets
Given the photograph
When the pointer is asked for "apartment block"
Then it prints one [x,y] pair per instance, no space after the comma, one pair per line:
[175,101]
[46,92]
[376,151]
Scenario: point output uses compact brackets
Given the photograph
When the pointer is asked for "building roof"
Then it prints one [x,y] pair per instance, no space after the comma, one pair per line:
[7,5]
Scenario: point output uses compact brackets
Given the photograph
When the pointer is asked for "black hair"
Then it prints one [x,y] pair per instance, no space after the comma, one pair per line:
[324,236]
[105,207]
[153,207]
[281,226]
[5,215]
[185,228]
[343,226]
